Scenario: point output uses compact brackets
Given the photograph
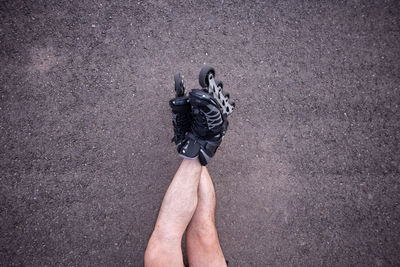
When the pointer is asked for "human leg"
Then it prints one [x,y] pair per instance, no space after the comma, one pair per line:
[202,243]
[199,125]
[177,209]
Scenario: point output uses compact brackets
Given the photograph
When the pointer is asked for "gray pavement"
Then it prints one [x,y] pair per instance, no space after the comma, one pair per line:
[308,174]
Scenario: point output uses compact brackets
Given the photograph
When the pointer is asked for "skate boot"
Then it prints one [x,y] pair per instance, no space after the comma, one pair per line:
[210,109]
[209,124]
[181,113]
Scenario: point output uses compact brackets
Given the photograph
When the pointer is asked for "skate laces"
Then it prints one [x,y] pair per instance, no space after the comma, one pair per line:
[200,124]
[182,125]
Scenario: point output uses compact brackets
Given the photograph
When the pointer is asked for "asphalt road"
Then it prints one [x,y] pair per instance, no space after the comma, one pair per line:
[308,174]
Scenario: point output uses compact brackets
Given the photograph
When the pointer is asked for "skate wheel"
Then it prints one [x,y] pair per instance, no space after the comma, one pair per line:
[179,87]
[230,108]
[205,74]
[219,87]
[219,84]
[219,95]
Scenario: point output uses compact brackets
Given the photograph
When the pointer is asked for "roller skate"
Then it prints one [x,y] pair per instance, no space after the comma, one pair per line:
[210,110]
[181,113]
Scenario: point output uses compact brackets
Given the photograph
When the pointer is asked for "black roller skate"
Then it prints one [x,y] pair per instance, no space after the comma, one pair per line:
[210,108]
[181,113]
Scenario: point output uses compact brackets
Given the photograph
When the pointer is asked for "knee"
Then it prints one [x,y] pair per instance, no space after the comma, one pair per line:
[150,256]
[155,249]
[154,254]
[159,252]
[203,235]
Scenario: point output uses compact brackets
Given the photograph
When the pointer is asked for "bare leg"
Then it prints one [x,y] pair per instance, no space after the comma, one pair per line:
[177,208]
[202,244]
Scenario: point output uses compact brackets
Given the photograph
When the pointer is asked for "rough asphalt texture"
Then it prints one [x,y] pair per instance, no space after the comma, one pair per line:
[308,174]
